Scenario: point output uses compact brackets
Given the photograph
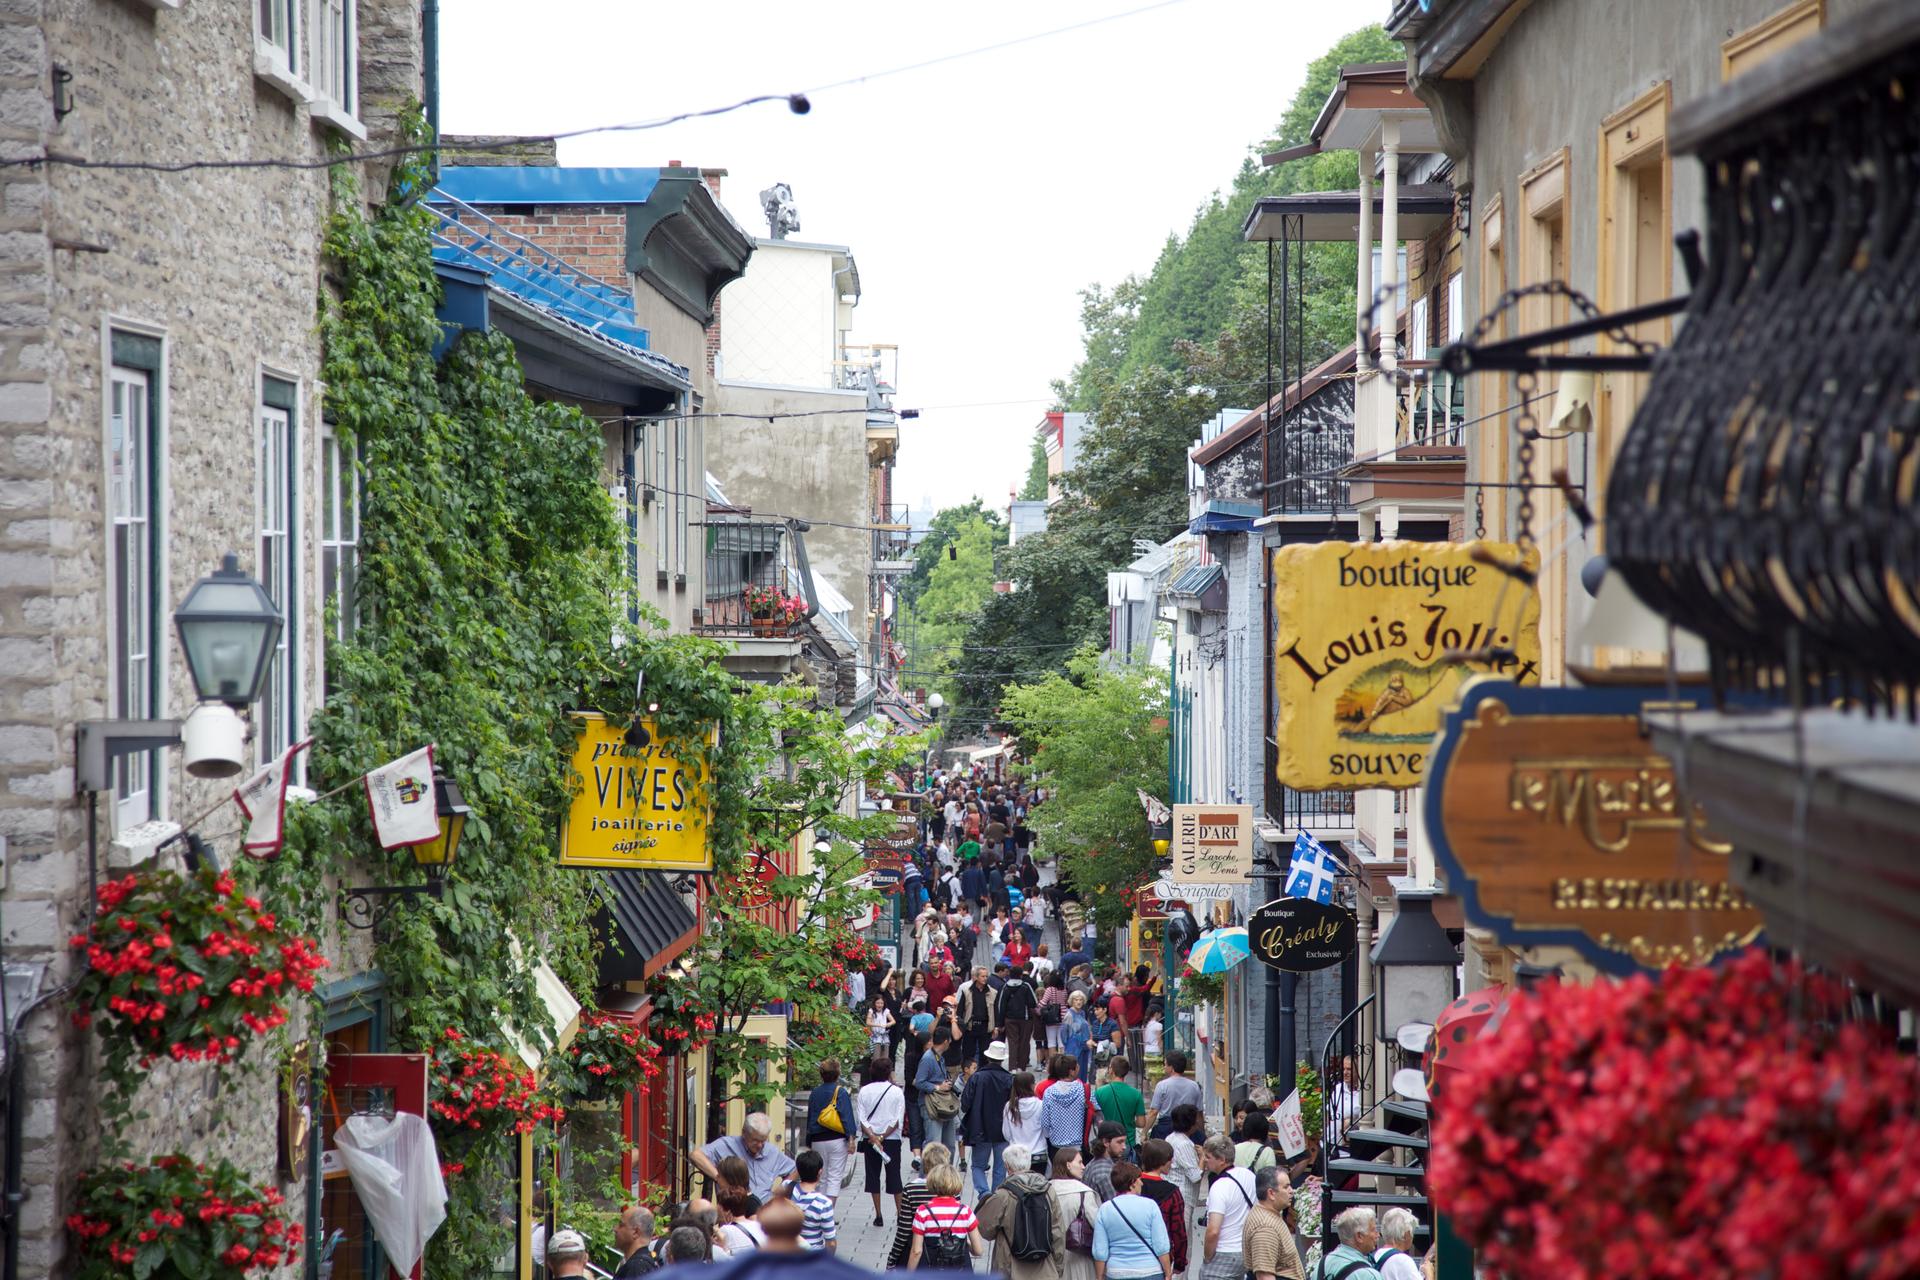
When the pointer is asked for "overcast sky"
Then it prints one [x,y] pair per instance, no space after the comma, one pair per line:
[978,195]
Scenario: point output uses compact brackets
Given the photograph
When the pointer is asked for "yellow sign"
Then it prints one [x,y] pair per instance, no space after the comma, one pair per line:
[1368,641]
[633,806]
[1212,843]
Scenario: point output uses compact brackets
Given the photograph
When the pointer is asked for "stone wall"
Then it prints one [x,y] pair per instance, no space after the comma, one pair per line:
[223,267]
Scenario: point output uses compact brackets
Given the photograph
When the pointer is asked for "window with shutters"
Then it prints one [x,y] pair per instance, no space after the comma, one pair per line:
[136,625]
[276,713]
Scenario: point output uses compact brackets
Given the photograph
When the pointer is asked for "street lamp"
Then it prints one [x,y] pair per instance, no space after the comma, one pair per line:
[228,627]
[1413,965]
[434,857]
[935,702]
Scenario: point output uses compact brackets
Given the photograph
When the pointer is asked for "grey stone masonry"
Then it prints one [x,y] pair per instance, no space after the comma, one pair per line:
[220,272]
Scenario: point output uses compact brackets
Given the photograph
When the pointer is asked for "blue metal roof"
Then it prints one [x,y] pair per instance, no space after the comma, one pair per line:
[547,184]
[1222,516]
[1195,580]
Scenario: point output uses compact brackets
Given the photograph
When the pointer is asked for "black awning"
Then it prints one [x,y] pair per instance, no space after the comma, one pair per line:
[644,924]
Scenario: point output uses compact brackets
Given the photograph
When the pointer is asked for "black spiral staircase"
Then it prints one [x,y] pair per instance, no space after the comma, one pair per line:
[1386,1164]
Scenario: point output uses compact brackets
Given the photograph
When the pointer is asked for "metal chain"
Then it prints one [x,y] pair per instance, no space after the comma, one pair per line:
[1479,511]
[1528,428]
[1556,289]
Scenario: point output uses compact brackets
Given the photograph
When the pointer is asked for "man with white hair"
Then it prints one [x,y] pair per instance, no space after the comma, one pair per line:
[1353,1260]
[1394,1259]
[766,1163]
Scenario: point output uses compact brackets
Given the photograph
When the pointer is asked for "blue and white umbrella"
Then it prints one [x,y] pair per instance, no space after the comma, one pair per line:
[1218,950]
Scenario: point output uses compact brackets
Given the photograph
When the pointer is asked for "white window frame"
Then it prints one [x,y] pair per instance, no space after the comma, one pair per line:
[135,594]
[1417,329]
[657,433]
[683,505]
[276,713]
[276,47]
[335,66]
[337,526]
[1456,306]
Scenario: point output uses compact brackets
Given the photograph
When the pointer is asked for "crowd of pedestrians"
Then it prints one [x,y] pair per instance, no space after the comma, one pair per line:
[1015,1109]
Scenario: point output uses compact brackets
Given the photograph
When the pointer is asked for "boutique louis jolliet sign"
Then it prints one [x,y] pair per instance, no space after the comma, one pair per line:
[1371,641]
[633,805]
[1557,823]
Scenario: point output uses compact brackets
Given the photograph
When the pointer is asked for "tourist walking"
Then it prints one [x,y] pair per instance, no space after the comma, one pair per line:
[1075,1205]
[939,1098]
[1267,1237]
[1129,1235]
[946,1236]
[883,1112]
[984,1102]
[1020,1218]
[829,1119]
[1228,1203]
[913,1194]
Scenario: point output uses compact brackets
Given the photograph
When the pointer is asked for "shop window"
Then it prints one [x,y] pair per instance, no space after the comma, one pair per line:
[1749,48]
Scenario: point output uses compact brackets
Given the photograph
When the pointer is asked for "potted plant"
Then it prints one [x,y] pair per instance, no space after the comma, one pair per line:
[185,967]
[176,1219]
[475,1089]
[611,1057]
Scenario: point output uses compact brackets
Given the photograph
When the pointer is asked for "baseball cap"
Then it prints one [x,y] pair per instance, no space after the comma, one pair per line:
[566,1244]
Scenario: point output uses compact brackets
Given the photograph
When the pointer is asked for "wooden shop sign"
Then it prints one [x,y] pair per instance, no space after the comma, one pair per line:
[1558,824]
[633,806]
[1367,638]
[1212,843]
[1300,935]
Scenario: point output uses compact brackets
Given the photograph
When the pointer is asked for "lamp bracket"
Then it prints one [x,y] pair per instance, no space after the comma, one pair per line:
[104,741]
[363,908]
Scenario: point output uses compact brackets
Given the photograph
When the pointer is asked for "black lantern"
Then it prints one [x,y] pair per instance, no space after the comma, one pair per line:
[1413,964]
[228,627]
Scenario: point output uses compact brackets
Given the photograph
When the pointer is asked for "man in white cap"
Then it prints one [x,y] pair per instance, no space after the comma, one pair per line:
[984,1102]
[567,1254]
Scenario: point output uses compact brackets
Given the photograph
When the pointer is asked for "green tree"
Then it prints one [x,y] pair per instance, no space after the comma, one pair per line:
[958,588]
[1035,489]
[1096,736]
[941,530]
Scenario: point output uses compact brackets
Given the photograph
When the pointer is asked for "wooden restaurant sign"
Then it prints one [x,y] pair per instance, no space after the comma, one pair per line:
[633,806]
[1366,638]
[1558,824]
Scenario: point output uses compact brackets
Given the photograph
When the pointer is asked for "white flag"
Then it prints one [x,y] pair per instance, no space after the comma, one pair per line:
[400,797]
[1293,1130]
[263,799]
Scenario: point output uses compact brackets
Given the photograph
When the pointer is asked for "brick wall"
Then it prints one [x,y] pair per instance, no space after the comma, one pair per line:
[592,239]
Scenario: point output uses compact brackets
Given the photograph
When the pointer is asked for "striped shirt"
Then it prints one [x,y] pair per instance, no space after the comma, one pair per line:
[943,1215]
[819,1230]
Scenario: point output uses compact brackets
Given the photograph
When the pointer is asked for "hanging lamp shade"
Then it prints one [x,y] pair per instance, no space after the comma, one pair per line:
[228,628]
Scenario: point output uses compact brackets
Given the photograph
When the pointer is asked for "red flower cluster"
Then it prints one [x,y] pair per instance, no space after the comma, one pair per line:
[616,1053]
[1709,1122]
[476,1088]
[850,952]
[176,1204]
[178,966]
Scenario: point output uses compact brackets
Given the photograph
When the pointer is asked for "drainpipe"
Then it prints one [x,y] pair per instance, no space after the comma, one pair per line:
[430,78]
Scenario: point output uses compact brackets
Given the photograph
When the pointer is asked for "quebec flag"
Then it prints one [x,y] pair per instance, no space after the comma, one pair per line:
[1312,872]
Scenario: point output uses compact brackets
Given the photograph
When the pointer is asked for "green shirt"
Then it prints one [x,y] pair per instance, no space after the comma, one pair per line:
[1121,1103]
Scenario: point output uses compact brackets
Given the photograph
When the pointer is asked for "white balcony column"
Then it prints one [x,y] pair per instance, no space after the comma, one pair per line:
[1420,866]
[1363,298]
[1390,240]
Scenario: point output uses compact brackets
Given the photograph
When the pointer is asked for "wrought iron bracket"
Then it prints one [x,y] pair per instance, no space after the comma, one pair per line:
[1522,355]
[367,907]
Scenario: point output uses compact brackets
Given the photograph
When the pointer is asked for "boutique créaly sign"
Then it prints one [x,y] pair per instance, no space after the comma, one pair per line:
[1299,935]
[1367,645]
[633,805]
[1558,824]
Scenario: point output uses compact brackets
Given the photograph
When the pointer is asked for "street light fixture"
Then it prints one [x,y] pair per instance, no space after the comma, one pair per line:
[1413,965]
[228,627]
[435,857]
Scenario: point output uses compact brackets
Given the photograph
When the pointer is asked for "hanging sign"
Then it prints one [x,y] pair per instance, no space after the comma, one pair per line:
[1558,824]
[1165,890]
[1212,843]
[1300,935]
[1366,645]
[633,806]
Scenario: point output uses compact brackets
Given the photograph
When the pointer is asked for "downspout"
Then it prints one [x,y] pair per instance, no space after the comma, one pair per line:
[430,79]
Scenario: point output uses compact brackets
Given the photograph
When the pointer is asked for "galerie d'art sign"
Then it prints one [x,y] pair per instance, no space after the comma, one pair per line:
[1366,645]
[1212,843]
[1559,824]
[1300,935]
[633,806]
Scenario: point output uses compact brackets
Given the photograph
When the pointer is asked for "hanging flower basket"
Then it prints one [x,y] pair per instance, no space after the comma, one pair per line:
[1708,1122]
[172,1219]
[186,967]
[680,1023]
[611,1057]
[477,1090]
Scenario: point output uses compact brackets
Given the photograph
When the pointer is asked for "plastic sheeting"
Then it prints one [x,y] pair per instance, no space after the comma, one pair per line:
[396,1173]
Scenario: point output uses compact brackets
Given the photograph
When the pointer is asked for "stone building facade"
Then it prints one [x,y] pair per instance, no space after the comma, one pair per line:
[159,406]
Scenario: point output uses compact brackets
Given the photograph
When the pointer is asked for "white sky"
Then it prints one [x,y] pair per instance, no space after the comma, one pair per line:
[978,196]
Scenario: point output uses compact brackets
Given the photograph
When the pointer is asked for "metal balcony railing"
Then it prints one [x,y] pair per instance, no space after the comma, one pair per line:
[747,602]
[1431,403]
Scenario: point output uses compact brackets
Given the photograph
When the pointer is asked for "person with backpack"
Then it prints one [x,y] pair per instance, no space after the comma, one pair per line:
[1228,1203]
[1029,1239]
[1394,1259]
[946,1236]
[1129,1235]
[829,1118]
[1353,1260]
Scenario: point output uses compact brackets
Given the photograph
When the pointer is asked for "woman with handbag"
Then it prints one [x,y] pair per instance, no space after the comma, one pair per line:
[1130,1240]
[882,1115]
[1053,1011]
[1075,1204]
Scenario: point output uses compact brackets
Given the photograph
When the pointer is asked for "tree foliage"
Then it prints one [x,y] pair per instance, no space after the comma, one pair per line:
[958,588]
[1034,489]
[1096,736]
